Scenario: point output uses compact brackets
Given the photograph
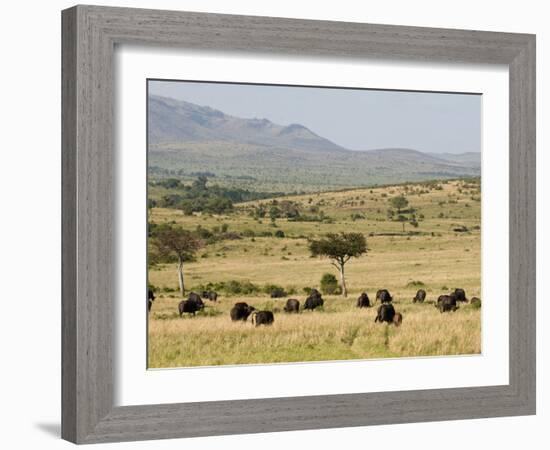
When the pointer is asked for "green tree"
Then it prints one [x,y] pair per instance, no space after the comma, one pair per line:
[200,183]
[173,240]
[399,203]
[339,248]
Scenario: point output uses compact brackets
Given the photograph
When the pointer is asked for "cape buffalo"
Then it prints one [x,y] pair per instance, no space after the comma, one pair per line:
[386,313]
[188,306]
[150,299]
[446,303]
[363,301]
[314,300]
[460,295]
[292,305]
[420,296]
[262,318]
[278,293]
[241,311]
[194,297]
[383,295]
[210,295]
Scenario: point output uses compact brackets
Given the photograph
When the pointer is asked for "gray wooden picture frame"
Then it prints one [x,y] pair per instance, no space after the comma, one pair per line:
[90,34]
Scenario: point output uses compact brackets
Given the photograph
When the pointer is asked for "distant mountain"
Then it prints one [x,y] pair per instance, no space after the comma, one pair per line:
[471,159]
[187,138]
[175,121]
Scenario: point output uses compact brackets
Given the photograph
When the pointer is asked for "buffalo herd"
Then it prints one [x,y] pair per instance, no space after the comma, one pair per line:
[241,311]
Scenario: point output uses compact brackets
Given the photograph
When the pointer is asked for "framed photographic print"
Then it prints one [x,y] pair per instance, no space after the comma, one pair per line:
[268,222]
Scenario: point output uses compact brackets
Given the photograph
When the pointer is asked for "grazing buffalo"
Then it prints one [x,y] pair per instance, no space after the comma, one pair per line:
[188,306]
[313,300]
[386,313]
[420,296]
[460,295]
[241,311]
[150,299]
[278,293]
[292,306]
[397,319]
[193,304]
[210,295]
[262,318]
[194,297]
[383,295]
[446,303]
[363,301]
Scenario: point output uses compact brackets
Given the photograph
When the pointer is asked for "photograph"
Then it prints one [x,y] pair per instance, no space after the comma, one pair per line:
[293,224]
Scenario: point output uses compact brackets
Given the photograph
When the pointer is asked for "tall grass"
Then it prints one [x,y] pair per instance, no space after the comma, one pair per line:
[339,332]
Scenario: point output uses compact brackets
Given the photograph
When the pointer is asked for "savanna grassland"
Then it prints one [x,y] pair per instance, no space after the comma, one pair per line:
[437,251]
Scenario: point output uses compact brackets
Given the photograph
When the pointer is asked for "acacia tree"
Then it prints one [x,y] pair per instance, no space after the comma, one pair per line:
[175,241]
[399,203]
[339,248]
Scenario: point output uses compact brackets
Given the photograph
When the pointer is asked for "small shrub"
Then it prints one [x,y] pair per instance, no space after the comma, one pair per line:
[415,283]
[329,284]
[279,234]
[476,303]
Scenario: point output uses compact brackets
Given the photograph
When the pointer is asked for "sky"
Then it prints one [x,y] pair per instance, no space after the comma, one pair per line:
[357,119]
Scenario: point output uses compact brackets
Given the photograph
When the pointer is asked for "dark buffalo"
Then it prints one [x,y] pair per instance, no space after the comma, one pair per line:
[188,306]
[314,300]
[460,295]
[241,311]
[210,295]
[386,313]
[150,299]
[446,303]
[420,296]
[397,319]
[383,296]
[262,318]
[292,306]
[194,297]
[363,301]
[278,293]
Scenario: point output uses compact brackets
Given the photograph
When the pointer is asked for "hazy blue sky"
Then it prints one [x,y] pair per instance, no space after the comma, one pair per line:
[357,119]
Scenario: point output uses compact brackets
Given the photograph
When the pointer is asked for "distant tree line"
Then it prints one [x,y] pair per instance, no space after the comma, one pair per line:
[200,196]
[287,209]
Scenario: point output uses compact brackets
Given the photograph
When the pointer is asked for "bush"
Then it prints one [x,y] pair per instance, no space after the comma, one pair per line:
[329,284]
[476,303]
[415,283]
[279,234]
[231,287]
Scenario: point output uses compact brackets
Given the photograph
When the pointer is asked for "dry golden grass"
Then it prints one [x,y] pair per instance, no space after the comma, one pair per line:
[438,257]
[341,331]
